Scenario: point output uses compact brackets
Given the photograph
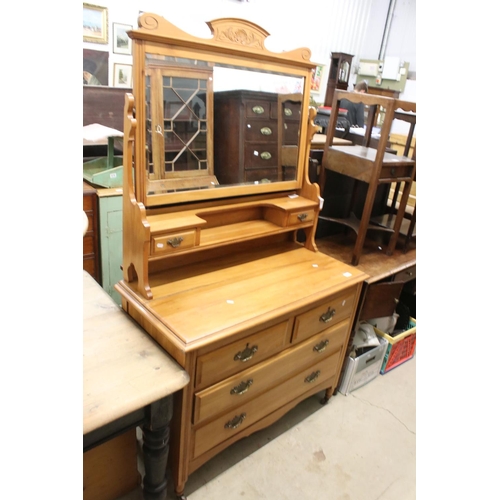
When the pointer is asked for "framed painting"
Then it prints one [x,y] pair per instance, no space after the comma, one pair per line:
[95,23]
[316,77]
[122,44]
[95,67]
[123,75]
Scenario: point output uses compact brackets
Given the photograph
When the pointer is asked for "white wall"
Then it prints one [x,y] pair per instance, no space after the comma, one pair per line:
[352,26]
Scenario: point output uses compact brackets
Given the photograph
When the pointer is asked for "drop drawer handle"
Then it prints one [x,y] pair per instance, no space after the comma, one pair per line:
[235,422]
[302,217]
[242,387]
[313,377]
[321,346]
[246,354]
[266,131]
[265,155]
[328,315]
[287,111]
[258,110]
[175,242]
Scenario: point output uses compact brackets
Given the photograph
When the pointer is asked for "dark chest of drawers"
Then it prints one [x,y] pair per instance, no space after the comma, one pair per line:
[252,131]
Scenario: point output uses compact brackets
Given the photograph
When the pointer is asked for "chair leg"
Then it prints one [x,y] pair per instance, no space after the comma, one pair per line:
[399,218]
[411,227]
[363,226]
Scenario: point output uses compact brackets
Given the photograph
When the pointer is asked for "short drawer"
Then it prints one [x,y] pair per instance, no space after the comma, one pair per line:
[261,130]
[407,274]
[258,155]
[233,358]
[396,172]
[261,174]
[257,109]
[238,419]
[329,313]
[167,243]
[300,217]
[250,383]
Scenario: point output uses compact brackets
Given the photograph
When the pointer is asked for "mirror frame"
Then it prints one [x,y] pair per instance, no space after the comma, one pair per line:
[237,42]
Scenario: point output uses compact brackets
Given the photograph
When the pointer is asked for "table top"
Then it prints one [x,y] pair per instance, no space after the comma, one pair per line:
[320,140]
[124,369]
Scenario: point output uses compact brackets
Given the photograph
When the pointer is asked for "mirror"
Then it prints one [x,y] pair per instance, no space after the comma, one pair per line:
[211,124]
[214,118]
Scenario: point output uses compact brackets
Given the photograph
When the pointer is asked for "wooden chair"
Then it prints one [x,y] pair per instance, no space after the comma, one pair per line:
[404,111]
[373,166]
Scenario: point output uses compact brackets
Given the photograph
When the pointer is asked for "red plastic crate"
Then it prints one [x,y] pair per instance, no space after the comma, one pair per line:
[400,348]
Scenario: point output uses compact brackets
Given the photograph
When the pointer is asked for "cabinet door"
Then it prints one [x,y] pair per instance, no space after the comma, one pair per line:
[111,236]
[179,114]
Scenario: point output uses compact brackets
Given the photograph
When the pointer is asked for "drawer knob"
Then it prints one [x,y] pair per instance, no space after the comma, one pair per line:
[246,354]
[321,346]
[393,172]
[328,315]
[235,422]
[265,155]
[175,242]
[258,110]
[266,131]
[313,377]
[302,217]
[242,387]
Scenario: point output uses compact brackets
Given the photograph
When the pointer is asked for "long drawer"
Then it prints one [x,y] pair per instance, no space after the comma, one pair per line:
[236,420]
[228,360]
[253,381]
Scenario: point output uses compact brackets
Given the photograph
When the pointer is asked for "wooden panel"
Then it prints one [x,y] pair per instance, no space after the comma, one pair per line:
[110,470]
[104,105]
[91,253]
[380,300]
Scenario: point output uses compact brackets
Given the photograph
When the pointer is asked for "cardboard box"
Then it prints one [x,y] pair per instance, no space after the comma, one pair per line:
[363,369]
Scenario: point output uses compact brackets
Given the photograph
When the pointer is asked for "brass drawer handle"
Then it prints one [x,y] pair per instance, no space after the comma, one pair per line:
[328,315]
[242,387]
[265,155]
[258,110]
[393,172]
[175,242]
[321,346]
[235,422]
[266,131]
[287,111]
[313,377]
[246,354]
[302,217]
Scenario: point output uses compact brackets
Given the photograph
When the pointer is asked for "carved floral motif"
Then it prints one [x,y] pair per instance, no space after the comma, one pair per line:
[240,36]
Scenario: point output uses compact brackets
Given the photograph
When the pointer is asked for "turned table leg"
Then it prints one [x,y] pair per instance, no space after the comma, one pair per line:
[156,432]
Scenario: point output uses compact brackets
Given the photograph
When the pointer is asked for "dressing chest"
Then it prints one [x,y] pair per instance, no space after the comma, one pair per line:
[220,265]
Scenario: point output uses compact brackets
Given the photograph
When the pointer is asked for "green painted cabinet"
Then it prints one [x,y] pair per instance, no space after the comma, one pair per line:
[111,238]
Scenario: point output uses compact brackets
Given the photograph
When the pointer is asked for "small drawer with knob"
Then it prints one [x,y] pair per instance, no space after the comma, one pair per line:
[238,356]
[257,108]
[319,318]
[301,217]
[408,274]
[249,383]
[261,155]
[261,131]
[394,172]
[168,243]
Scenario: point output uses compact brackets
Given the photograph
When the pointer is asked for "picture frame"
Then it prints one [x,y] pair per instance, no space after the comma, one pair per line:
[122,75]
[95,23]
[122,44]
[95,67]
[316,78]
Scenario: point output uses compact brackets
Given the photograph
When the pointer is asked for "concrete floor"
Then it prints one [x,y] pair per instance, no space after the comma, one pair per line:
[357,447]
